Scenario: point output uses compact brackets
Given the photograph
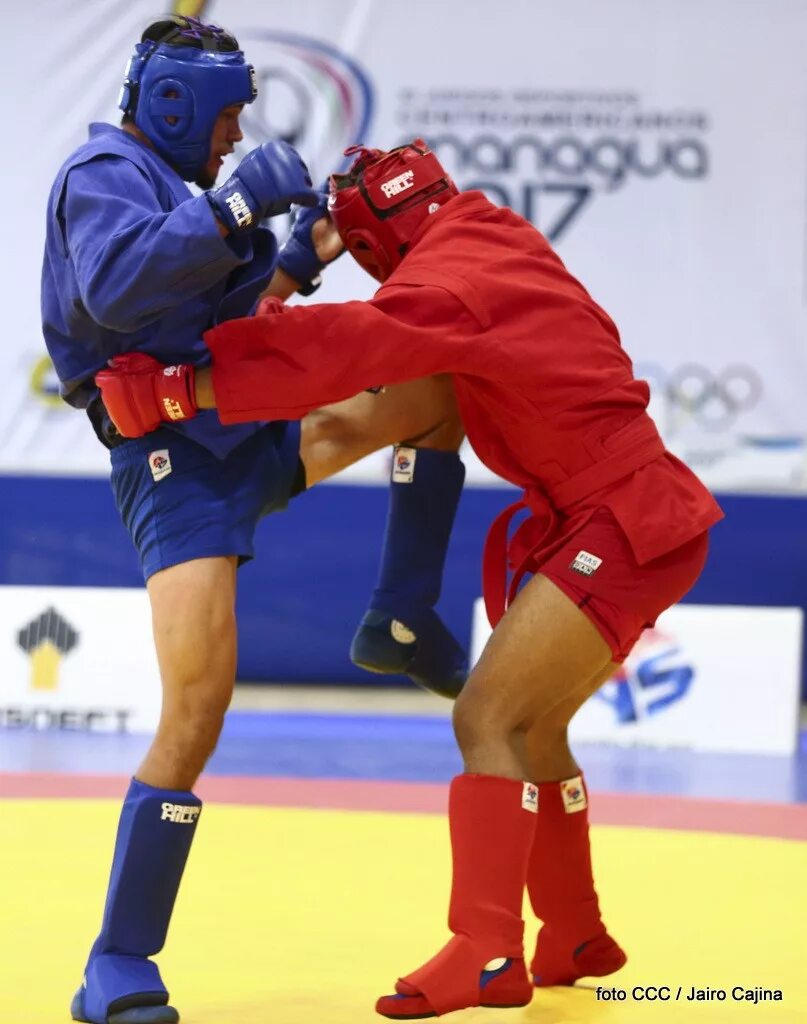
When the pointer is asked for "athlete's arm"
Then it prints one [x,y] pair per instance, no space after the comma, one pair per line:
[204,392]
[301,358]
[133,260]
[329,353]
[281,286]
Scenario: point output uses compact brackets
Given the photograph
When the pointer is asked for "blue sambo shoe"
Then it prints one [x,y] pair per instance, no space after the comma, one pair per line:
[422,648]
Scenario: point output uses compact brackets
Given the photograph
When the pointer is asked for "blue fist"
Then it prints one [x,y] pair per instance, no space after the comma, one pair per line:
[298,256]
[267,181]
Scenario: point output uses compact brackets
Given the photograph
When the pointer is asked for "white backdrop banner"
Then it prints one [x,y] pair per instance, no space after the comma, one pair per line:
[709,678]
[661,147]
[77,658]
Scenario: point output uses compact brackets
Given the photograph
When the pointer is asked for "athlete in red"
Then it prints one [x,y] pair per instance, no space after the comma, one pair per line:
[614,529]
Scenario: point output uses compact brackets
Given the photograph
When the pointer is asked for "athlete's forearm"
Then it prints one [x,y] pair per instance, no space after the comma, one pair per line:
[205,392]
[281,286]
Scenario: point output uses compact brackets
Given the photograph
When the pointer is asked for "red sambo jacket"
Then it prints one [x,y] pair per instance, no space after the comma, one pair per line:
[545,391]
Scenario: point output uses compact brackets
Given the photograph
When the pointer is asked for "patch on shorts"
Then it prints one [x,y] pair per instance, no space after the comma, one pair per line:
[403,465]
[585,563]
[573,795]
[529,797]
[160,463]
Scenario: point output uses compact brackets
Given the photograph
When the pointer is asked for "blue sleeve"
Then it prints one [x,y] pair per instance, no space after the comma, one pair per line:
[133,260]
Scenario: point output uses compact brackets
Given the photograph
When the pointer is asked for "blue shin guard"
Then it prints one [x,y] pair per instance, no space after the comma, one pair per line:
[121,985]
[401,632]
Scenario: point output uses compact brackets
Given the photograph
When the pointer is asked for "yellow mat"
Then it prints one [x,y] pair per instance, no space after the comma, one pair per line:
[304,917]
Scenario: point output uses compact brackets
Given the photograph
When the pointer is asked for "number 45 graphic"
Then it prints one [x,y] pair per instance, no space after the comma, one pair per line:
[647,687]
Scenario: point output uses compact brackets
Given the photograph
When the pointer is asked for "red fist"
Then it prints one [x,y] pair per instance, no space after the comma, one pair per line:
[140,393]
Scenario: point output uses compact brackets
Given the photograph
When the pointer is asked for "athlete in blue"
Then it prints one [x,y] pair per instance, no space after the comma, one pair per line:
[135,262]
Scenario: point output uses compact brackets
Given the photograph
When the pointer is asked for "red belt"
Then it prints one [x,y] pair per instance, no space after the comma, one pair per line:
[527,542]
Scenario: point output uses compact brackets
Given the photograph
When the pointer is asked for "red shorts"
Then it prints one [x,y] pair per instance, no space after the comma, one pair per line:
[597,569]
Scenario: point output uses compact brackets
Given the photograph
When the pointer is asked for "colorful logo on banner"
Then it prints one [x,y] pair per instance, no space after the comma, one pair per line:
[654,677]
[548,154]
[310,94]
[46,640]
[44,383]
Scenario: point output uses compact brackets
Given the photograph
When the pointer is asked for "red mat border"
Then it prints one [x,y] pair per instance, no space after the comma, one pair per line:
[784,821]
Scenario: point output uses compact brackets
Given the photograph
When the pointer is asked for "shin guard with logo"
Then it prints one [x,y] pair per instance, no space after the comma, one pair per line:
[573,942]
[401,632]
[492,821]
[121,984]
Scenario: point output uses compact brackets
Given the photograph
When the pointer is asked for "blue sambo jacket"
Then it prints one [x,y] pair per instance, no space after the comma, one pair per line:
[135,262]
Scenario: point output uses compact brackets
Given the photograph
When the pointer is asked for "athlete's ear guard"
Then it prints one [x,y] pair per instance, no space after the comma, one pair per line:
[361,243]
[368,253]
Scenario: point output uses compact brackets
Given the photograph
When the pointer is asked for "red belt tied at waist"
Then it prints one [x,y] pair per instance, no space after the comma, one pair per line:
[532,538]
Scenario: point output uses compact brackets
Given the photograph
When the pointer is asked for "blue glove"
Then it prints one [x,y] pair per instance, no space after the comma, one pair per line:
[298,255]
[266,182]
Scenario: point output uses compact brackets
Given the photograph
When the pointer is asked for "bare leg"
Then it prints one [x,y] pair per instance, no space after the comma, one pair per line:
[547,750]
[194,631]
[573,942]
[421,413]
[544,654]
[193,613]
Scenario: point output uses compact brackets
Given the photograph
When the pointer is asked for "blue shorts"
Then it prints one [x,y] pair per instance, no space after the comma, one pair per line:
[179,501]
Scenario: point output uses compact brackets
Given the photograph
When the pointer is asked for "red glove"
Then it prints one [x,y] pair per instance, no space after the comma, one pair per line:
[140,393]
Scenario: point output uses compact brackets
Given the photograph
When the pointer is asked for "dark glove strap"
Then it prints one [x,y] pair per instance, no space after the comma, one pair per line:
[105,429]
[310,287]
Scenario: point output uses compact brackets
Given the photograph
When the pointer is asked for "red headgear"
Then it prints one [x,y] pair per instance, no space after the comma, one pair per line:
[382,200]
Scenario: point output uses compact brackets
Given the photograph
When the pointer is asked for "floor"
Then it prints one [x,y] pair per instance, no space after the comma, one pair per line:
[321,871]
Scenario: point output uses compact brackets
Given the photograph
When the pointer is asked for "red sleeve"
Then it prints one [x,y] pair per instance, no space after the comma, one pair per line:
[283,364]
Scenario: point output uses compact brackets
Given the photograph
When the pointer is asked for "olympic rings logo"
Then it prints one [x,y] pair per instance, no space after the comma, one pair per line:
[714,400]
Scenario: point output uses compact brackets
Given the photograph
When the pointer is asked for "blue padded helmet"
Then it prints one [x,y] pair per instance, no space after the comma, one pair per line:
[188,72]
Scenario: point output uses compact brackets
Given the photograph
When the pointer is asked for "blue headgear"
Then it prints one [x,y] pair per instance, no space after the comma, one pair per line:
[188,84]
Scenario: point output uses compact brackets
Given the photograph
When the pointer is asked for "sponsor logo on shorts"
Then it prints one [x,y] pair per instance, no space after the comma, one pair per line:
[403,465]
[160,463]
[401,633]
[529,797]
[180,814]
[585,563]
[573,795]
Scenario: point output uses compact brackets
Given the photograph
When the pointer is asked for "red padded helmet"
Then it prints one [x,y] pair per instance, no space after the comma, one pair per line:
[381,201]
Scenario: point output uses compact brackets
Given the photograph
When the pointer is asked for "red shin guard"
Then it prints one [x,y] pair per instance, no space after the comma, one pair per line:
[492,822]
[573,942]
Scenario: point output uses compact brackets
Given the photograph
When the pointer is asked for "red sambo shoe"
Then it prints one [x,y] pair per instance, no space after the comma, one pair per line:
[452,980]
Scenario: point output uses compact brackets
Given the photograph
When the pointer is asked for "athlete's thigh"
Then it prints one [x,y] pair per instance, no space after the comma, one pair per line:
[193,619]
[422,412]
[543,652]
